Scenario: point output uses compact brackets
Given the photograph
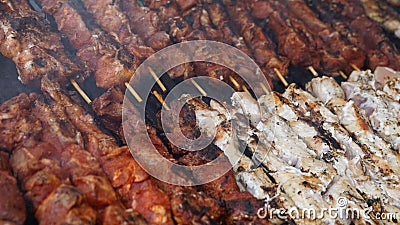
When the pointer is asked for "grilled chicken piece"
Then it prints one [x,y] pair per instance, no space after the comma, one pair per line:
[381,110]
[12,206]
[383,78]
[37,51]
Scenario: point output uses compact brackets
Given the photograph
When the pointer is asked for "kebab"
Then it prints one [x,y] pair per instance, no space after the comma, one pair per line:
[32,172]
[381,110]
[213,20]
[137,190]
[353,16]
[325,37]
[384,14]
[110,18]
[239,206]
[384,79]
[277,168]
[34,48]
[12,206]
[262,47]
[187,27]
[111,63]
[290,44]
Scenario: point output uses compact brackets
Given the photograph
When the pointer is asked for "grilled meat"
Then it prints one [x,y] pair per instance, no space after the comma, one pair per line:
[382,79]
[384,14]
[290,43]
[262,47]
[326,37]
[35,48]
[137,190]
[381,110]
[381,52]
[39,173]
[145,23]
[12,206]
[110,18]
[111,63]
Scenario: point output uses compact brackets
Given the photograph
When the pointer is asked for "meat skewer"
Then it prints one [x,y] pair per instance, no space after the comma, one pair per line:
[384,14]
[111,63]
[12,206]
[34,48]
[137,190]
[381,110]
[263,48]
[239,206]
[290,44]
[380,51]
[42,179]
[110,18]
[325,38]
[279,169]
[214,17]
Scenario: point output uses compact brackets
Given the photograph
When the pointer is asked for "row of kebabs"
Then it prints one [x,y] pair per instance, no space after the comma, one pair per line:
[108,52]
[71,172]
[111,38]
[316,147]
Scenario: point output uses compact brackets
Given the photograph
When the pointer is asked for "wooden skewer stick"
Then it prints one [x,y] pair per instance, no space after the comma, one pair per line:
[161,100]
[265,89]
[133,92]
[163,88]
[201,90]
[80,91]
[280,76]
[246,90]
[342,74]
[234,82]
[313,71]
[355,67]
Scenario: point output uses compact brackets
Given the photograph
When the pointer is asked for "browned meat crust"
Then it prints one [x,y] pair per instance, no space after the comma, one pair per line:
[36,50]
[12,205]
